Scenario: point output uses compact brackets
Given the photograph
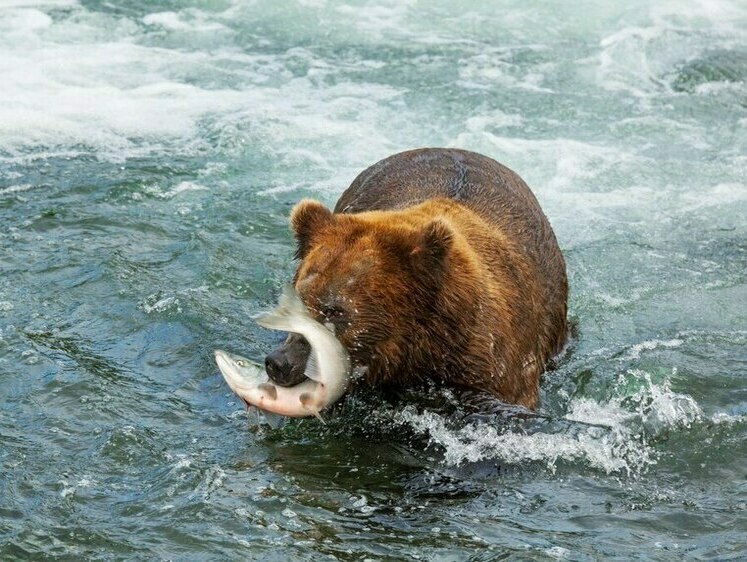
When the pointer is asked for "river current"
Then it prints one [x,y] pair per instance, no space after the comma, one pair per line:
[150,153]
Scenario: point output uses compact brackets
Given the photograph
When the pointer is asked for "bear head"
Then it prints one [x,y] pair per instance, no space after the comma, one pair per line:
[374,276]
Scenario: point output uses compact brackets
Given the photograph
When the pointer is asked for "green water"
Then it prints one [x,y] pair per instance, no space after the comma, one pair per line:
[149,156]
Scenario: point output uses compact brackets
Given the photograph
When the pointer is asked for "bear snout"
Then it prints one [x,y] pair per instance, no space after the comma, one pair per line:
[286,364]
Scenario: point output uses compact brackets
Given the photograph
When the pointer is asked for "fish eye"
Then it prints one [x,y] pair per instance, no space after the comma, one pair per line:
[241,363]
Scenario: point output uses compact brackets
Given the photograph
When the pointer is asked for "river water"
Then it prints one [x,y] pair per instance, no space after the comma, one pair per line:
[149,155]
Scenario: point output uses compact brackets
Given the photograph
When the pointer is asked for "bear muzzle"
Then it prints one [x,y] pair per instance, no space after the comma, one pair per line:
[286,365]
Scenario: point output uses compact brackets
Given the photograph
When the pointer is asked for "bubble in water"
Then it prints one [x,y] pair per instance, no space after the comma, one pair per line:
[153,304]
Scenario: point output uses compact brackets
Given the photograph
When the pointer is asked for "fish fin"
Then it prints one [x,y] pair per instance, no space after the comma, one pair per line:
[289,306]
[312,368]
[269,389]
[318,416]
[305,400]
[291,300]
[275,421]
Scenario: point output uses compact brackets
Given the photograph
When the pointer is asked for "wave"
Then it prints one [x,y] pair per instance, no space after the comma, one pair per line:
[618,436]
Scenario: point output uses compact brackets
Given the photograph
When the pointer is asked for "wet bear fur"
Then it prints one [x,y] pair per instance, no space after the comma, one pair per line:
[438,264]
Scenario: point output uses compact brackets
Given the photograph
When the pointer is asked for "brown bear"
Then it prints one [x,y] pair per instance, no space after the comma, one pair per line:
[436,263]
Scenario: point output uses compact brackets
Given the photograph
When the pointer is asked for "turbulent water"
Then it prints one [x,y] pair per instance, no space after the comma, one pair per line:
[149,155]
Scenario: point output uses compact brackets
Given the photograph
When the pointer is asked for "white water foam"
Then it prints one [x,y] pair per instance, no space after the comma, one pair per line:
[474,443]
[158,305]
[38,3]
[635,351]
[571,166]
[88,81]
[15,188]
[181,187]
[486,69]
[635,58]
[377,21]
[186,20]
[616,436]
[70,488]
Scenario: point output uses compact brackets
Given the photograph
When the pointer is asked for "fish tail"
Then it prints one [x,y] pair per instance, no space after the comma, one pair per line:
[286,315]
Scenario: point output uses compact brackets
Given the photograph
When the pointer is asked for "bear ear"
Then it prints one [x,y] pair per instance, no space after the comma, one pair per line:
[307,218]
[433,244]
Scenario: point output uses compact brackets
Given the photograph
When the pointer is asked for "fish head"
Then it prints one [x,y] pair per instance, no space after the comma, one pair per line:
[237,369]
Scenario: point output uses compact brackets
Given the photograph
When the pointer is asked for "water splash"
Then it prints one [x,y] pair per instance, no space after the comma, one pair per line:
[615,436]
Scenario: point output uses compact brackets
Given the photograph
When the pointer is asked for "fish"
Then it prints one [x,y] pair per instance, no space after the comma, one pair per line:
[328,368]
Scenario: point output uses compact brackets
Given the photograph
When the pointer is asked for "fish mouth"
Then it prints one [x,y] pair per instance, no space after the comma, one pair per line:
[228,366]
[231,373]
[224,360]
